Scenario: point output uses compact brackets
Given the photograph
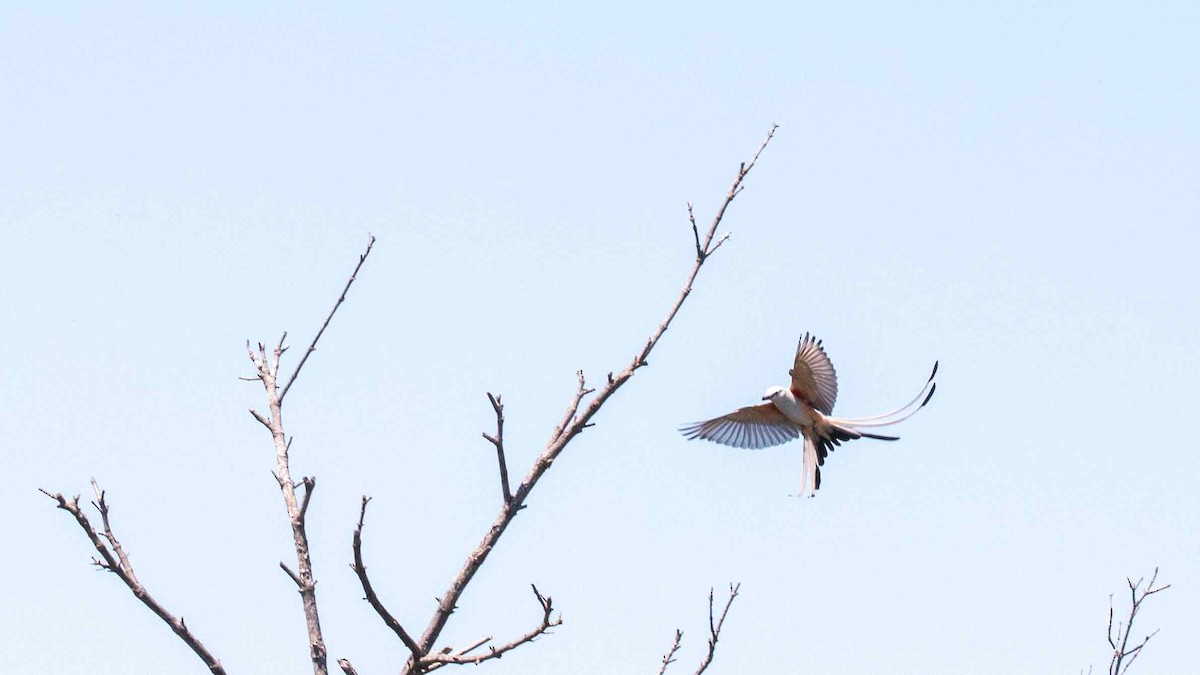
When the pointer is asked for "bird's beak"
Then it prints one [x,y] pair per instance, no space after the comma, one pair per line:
[766,398]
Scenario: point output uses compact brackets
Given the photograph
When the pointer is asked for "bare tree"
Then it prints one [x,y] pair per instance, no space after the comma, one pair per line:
[424,656]
[1118,635]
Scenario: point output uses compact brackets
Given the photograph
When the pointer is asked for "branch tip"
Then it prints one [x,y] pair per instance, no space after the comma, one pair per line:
[313,345]
[576,418]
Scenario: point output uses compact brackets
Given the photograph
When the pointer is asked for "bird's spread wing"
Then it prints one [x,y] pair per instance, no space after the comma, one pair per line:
[754,427]
[813,376]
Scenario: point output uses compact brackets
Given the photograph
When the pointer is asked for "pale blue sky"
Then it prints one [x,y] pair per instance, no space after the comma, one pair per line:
[1010,188]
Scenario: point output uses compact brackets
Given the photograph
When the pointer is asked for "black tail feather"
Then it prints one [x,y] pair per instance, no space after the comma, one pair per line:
[931,390]
[879,437]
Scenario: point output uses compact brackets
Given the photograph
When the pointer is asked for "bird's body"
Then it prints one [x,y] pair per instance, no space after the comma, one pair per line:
[803,410]
[794,408]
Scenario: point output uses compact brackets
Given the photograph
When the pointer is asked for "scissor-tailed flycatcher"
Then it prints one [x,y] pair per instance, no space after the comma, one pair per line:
[803,410]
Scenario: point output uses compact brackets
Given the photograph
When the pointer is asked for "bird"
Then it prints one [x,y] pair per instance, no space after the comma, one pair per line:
[804,408]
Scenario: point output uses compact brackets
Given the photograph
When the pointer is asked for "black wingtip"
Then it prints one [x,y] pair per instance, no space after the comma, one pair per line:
[931,390]
[931,375]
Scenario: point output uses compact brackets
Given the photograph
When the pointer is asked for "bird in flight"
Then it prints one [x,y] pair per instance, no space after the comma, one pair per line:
[804,409]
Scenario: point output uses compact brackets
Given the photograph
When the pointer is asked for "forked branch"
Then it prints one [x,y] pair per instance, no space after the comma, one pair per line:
[498,441]
[113,559]
[578,417]
[267,371]
[341,298]
[435,661]
[708,248]
[714,629]
[669,657]
[714,632]
[1118,636]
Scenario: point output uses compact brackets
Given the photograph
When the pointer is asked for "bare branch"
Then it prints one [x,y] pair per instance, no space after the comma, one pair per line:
[310,484]
[261,420]
[498,441]
[476,645]
[279,350]
[669,657]
[303,576]
[714,630]
[724,238]
[574,422]
[434,661]
[117,562]
[267,371]
[346,667]
[283,566]
[573,407]
[341,298]
[361,570]
[695,230]
[102,506]
[734,190]
[1124,656]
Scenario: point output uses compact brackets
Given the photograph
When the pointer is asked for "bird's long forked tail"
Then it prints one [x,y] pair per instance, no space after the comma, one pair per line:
[857,424]
[834,430]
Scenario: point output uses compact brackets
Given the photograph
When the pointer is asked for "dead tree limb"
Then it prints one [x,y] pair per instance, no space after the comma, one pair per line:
[578,417]
[669,657]
[435,661]
[341,298]
[498,441]
[1123,655]
[113,559]
[267,371]
[714,629]
[361,570]
[714,632]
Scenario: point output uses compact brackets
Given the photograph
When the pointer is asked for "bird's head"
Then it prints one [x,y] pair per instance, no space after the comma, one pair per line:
[774,393]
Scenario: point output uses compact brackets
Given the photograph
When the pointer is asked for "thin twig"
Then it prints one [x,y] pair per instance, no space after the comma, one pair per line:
[573,423]
[435,661]
[341,298]
[695,230]
[498,441]
[714,630]
[669,657]
[117,562]
[283,566]
[361,570]
[476,644]
[573,406]
[101,505]
[734,190]
[261,420]
[310,484]
[1123,657]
